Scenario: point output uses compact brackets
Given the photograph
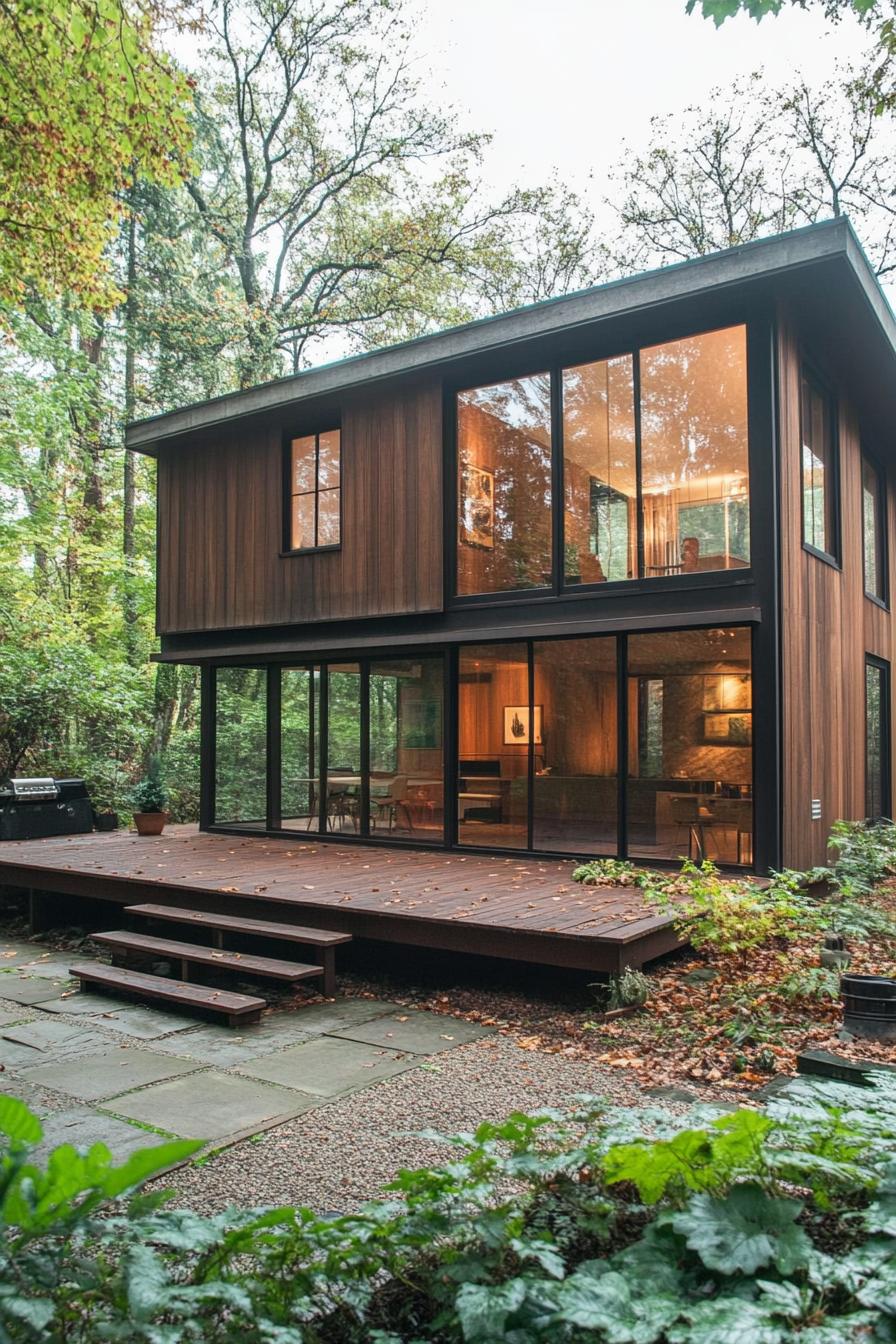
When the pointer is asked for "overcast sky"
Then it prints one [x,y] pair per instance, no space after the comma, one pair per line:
[561,83]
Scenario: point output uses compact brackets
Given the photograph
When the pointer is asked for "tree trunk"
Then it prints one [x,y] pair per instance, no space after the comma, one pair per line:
[129,543]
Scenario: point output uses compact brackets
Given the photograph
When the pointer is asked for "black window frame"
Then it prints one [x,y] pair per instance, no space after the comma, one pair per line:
[287,548]
[448,656]
[881,599]
[505,369]
[886,762]
[810,372]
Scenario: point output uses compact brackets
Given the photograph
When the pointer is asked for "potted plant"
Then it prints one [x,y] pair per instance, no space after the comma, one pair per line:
[149,800]
[106,790]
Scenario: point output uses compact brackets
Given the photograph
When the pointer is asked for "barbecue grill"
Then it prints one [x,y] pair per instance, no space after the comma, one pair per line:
[32,808]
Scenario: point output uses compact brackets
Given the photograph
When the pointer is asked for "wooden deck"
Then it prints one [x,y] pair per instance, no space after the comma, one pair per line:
[524,909]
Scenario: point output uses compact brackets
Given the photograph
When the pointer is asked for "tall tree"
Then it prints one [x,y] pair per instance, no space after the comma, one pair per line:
[343,200]
[754,161]
[87,100]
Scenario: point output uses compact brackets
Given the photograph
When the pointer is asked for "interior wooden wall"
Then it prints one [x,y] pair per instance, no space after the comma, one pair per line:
[221,523]
[827,627]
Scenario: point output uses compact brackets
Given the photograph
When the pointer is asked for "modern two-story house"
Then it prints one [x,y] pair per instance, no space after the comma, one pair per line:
[608,575]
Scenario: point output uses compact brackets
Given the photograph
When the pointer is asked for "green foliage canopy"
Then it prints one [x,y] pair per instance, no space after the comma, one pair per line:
[88,102]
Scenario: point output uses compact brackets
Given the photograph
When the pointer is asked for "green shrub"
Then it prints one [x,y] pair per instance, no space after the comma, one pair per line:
[555,1228]
[608,873]
[630,989]
[150,794]
[733,917]
[865,855]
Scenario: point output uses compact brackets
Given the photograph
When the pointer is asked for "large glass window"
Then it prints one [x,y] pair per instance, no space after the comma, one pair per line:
[694,461]
[343,781]
[300,747]
[877,738]
[504,486]
[315,491]
[599,476]
[690,746]
[241,746]
[494,731]
[575,774]
[407,763]
[873,532]
[655,484]
[819,466]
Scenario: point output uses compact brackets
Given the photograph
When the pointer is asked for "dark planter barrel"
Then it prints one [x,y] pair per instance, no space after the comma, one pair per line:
[869,1006]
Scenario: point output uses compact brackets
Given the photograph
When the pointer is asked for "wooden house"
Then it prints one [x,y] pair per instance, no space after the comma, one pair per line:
[607,575]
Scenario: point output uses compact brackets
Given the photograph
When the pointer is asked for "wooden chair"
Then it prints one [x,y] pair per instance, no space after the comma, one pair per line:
[387,806]
[685,812]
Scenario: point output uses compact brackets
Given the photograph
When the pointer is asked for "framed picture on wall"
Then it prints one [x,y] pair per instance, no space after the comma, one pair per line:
[727,691]
[477,516]
[722,728]
[516,725]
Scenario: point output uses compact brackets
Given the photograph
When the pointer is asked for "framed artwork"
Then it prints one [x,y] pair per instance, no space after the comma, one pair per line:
[421,724]
[727,691]
[722,728]
[478,507]
[517,728]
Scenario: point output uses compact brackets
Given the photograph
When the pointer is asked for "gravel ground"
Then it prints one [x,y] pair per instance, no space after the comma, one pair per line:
[336,1157]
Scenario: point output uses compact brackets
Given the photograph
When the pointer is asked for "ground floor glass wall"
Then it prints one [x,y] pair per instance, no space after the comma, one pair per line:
[240,757]
[639,745]
[333,766]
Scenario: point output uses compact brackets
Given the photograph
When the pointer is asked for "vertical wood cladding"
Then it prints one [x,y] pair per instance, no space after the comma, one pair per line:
[827,627]
[221,523]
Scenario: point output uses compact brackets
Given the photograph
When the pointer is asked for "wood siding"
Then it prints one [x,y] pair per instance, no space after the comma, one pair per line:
[221,523]
[827,628]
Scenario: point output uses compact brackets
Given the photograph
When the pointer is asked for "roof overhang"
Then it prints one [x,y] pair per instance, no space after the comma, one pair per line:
[821,267]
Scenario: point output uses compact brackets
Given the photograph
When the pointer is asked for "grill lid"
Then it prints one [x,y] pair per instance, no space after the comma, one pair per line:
[35,790]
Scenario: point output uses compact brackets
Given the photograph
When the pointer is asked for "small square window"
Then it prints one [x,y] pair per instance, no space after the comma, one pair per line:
[315,491]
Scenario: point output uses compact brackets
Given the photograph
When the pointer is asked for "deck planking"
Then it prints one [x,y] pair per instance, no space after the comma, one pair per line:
[493,905]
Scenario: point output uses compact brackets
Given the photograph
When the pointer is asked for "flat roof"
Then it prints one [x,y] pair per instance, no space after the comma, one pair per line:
[830,243]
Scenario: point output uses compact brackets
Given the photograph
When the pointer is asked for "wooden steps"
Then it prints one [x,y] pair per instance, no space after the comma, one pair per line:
[239,1009]
[323,941]
[245,963]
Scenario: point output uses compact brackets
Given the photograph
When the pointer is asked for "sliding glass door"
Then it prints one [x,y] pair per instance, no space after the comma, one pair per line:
[543,725]
[638,745]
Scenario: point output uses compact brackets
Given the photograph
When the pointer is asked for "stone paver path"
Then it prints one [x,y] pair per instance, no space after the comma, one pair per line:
[100,1069]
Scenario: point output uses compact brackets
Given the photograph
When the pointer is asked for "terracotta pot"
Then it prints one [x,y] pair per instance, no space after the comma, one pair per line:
[150,823]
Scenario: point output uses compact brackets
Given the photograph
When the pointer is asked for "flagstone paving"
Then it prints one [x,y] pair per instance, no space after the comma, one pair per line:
[209,1105]
[421,1033]
[328,1067]
[94,1077]
[30,988]
[102,1069]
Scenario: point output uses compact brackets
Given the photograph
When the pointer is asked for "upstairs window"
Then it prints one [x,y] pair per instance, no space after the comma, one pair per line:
[315,491]
[819,467]
[651,447]
[873,532]
[504,486]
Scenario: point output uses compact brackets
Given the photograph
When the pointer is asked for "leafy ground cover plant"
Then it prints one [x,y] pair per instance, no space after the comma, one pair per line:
[552,1228]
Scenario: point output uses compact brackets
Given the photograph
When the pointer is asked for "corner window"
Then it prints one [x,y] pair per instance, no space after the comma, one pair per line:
[819,466]
[873,532]
[315,473]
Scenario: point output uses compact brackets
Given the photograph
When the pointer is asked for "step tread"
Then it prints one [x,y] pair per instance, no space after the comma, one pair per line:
[294,933]
[175,991]
[209,956]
